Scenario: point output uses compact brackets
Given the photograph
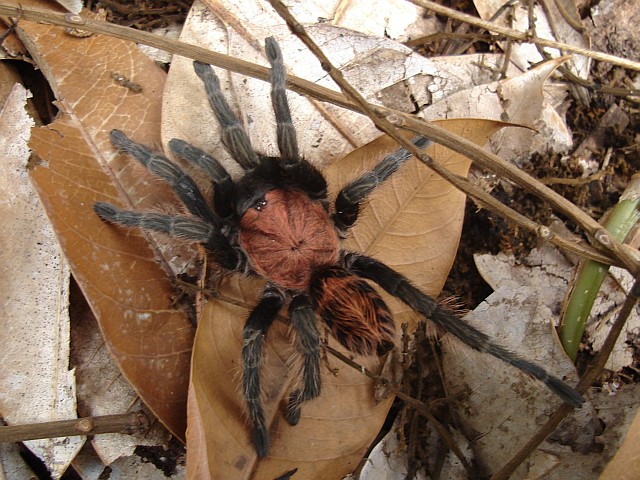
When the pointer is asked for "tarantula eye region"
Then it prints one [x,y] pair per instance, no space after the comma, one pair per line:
[259,204]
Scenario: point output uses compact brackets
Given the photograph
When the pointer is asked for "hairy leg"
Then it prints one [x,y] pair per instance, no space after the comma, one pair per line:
[182,184]
[398,286]
[180,226]
[223,185]
[299,172]
[303,321]
[347,206]
[286,133]
[255,332]
[234,137]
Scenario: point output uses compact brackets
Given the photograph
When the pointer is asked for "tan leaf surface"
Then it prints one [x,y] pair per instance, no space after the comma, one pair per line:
[625,465]
[118,271]
[383,71]
[413,223]
[38,385]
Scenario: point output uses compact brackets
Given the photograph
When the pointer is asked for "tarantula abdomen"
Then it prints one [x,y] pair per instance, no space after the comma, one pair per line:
[354,312]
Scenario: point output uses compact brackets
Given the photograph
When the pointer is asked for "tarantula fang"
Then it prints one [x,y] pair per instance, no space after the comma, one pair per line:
[275,222]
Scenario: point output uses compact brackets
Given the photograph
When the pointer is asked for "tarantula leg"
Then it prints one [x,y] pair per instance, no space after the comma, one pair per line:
[182,184]
[223,185]
[255,331]
[303,321]
[189,228]
[300,172]
[347,206]
[181,226]
[234,137]
[286,133]
[398,286]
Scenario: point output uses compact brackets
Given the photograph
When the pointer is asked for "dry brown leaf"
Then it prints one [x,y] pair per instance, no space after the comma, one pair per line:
[625,465]
[548,23]
[413,223]
[102,389]
[38,385]
[119,273]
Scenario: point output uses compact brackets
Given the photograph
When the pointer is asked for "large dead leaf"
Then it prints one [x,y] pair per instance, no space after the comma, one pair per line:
[120,275]
[38,385]
[383,71]
[413,223]
[548,23]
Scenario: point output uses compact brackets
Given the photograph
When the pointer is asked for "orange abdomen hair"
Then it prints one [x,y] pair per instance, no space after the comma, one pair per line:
[288,237]
[354,312]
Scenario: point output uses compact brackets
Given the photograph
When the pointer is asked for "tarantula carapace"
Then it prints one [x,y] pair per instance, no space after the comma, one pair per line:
[276,222]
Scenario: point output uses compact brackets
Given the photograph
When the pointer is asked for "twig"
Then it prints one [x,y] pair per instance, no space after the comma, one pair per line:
[456,143]
[583,385]
[410,401]
[129,423]
[525,37]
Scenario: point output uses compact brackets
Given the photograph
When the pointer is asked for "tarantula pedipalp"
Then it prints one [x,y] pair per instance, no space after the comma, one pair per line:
[275,222]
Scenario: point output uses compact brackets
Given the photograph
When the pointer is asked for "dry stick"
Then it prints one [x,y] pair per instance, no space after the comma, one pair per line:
[456,143]
[129,423]
[525,37]
[385,122]
[583,385]
[410,401]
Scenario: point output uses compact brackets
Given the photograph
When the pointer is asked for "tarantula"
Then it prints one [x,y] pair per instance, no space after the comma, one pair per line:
[275,222]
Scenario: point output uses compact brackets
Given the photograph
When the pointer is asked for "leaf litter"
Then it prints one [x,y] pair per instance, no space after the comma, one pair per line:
[402,82]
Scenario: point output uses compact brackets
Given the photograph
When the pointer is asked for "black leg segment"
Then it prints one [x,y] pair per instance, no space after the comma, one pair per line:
[398,286]
[286,133]
[181,226]
[223,185]
[347,207]
[233,135]
[303,321]
[255,332]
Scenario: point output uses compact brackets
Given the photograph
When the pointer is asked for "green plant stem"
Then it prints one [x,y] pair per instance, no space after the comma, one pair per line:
[592,273]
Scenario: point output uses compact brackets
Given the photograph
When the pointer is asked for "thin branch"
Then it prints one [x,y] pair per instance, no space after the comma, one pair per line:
[410,401]
[583,385]
[130,423]
[486,160]
[525,37]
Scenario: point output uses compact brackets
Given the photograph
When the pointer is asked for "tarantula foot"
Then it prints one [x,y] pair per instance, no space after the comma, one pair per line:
[292,415]
[260,438]
[105,211]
